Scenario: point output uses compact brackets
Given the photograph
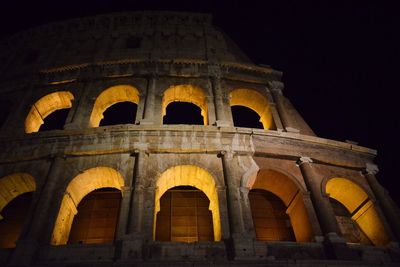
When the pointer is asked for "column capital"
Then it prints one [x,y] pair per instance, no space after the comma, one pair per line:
[126,189]
[221,188]
[214,71]
[371,168]
[244,189]
[302,160]
[226,154]
[276,86]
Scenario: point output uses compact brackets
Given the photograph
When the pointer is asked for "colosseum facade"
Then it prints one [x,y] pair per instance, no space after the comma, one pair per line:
[155,187]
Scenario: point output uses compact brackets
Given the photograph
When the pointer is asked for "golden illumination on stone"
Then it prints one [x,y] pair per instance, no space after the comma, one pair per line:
[190,175]
[14,185]
[362,210]
[44,107]
[78,188]
[284,188]
[186,93]
[109,97]
[255,101]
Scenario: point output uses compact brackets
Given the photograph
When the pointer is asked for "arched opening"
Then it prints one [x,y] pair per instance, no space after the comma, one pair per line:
[97,217]
[275,198]
[16,191]
[110,97]
[120,113]
[269,217]
[245,117]
[349,229]
[184,216]
[188,176]
[55,121]
[14,216]
[187,94]
[183,113]
[361,211]
[255,101]
[57,102]
[83,184]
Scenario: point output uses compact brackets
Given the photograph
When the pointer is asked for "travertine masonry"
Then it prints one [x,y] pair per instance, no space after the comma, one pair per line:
[152,59]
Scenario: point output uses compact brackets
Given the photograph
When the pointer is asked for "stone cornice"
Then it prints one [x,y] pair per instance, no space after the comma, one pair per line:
[124,61]
[57,138]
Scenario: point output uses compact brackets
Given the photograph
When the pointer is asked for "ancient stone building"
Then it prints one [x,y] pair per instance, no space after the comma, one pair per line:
[98,168]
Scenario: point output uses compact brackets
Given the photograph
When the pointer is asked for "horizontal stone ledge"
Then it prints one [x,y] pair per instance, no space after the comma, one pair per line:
[183,61]
[200,130]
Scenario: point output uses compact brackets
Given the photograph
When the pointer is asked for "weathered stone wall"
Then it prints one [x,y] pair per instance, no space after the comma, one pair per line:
[86,57]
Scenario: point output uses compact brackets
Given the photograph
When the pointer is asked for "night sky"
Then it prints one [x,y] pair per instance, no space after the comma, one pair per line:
[339,59]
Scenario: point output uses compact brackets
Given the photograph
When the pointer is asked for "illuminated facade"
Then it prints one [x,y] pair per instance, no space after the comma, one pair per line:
[79,188]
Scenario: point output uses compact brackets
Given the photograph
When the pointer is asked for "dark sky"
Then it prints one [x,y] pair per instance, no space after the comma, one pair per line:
[339,58]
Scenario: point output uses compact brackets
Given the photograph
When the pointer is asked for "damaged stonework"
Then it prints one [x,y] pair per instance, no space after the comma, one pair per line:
[146,193]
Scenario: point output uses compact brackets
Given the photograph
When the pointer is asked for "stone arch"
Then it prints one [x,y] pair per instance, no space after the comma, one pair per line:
[186,93]
[190,175]
[254,100]
[44,107]
[13,185]
[77,189]
[291,194]
[109,97]
[362,209]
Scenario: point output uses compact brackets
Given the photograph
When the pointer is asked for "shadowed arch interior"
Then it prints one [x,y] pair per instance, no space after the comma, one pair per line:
[183,113]
[44,107]
[16,191]
[270,220]
[186,93]
[256,101]
[190,175]
[360,207]
[84,183]
[245,117]
[97,217]
[289,193]
[119,113]
[14,185]
[109,97]
[349,228]
[184,216]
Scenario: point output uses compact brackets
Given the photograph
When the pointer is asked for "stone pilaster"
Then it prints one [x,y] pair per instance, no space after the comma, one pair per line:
[73,122]
[276,89]
[132,241]
[324,211]
[335,245]
[246,212]
[82,106]
[122,228]
[275,117]
[389,209]
[150,102]
[241,239]
[221,113]
[312,216]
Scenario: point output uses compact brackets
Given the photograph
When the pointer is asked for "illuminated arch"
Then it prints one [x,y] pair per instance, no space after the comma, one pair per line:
[291,194]
[255,101]
[78,188]
[190,175]
[362,209]
[14,185]
[44,107]
[186,93]
[109,97]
